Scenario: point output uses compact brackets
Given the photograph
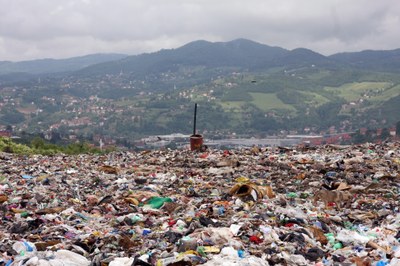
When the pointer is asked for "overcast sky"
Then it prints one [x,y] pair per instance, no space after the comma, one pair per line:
[31,29]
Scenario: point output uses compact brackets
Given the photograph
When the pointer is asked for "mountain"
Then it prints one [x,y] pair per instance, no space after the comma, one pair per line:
[41,66]
[240,53]
[388,60]
[237,53]
[241,86]
[302,57]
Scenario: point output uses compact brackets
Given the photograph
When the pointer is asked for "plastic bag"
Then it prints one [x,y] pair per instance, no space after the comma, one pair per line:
[70,258]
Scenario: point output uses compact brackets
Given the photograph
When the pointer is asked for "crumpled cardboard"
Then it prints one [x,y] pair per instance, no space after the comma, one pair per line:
[256,192]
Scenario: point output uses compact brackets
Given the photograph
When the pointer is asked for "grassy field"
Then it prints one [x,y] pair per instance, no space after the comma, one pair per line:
[318,75]
[232,105]
[317,99]
[387,94]
[130,102]
[354,91]
[27,110]
[269,101]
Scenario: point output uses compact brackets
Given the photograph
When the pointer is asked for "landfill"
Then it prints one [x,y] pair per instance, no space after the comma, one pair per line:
[324,205]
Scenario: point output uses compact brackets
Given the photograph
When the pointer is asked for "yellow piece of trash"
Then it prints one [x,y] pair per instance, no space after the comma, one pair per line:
[242,179]
[212,249]
[132,201]
[76,201]
[14,210]
[96,233]
[167,261]
[191,252]
[42,177]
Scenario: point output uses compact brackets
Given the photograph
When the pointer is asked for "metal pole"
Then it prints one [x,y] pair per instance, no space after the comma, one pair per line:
[194,122]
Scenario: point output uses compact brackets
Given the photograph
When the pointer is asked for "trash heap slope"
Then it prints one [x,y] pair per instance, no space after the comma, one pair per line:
[260,206]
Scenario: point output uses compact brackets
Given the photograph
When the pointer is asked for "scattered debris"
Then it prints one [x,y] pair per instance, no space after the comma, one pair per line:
[332,205]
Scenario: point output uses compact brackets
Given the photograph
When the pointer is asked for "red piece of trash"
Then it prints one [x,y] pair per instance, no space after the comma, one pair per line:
[289,225]
[171,222]
[255,240]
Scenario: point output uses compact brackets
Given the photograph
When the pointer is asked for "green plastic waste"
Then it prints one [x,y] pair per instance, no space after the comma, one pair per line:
[135,219]
[304,195]
[291,195]
[331,238]
[348,225]
[200,250]
[332,241]
[3,179]
[388,195]
[156,202]
[338,245]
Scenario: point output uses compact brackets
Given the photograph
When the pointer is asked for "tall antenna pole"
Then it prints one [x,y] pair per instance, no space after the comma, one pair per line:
[194,121]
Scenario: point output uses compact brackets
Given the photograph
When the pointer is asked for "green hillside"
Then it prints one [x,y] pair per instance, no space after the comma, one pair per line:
[241,87]
[356,90]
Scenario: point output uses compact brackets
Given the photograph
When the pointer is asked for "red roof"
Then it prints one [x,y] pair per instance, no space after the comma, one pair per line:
[5,133]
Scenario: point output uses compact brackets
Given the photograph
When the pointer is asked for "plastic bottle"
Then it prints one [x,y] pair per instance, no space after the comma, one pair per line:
[382,263]
[22,247]
[318,224]
[327,262]
[146,231]
[241,253]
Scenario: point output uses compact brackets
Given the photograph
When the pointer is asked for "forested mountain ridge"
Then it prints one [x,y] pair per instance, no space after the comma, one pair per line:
[42,66]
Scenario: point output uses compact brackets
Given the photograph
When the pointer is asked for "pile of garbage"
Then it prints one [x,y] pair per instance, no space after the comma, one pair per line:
[328,205]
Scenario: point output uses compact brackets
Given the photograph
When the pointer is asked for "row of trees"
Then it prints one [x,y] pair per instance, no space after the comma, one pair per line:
[39,146]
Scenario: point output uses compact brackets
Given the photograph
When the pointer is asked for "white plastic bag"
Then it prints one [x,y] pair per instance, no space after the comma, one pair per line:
[70,258]
[121,262]
[351,237]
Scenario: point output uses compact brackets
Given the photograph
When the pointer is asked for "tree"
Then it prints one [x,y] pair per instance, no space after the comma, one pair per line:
[398,128]
[12,116]
[37,143]
[385,133]
[358,137]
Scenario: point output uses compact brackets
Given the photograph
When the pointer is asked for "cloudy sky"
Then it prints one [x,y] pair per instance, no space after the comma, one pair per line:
[31,29]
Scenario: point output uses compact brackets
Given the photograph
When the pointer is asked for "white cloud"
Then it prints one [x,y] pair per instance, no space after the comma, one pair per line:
[65,28]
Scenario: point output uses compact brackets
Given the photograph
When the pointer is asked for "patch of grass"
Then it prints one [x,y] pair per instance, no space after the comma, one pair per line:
[387,94]
[232,105]
[354,91]
[318,75]
[269,101]
[317,99]
[28,109]
[40,146]
[125,103]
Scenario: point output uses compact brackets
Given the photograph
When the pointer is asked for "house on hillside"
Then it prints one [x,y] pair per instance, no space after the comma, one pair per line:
[5,133]
[392,131]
